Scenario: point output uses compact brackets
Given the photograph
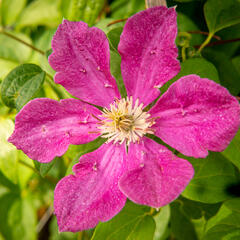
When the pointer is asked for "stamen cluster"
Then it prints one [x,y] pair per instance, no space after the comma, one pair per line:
[125,121]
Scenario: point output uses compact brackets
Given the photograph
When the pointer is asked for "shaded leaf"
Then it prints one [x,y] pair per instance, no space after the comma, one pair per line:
[228,75]
[226,224]
[181,227]
[232,152]
[198,66]
[44,168]
[21,84]
[212,176]
[22,220]
[221,14]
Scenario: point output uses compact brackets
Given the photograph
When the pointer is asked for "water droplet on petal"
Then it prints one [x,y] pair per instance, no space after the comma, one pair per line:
[83,70]
[98,68]
[94,167]
[106,85]
[141,165]
[43,128]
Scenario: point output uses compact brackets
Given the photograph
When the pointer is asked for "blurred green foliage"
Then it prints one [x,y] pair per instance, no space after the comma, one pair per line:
[206,210]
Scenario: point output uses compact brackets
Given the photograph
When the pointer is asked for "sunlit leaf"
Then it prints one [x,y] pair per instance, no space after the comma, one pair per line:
[10,12]
[41,12]
[12,50]
[84,10]
[8,152]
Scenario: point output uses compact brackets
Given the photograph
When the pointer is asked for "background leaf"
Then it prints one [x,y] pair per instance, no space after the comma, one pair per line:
[41,12]
[198,66]
[21,84]
[221,14]
[131,223]
[212,177]
[9,11]
[226,224]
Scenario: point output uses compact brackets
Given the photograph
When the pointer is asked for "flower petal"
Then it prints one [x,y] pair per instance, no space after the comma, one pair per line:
[196,115]
[148,50]
[155,176]
[81,58]
[92,194]
[44,127]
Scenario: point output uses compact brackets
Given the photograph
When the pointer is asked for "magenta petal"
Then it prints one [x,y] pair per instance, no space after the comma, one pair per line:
[196,115]
[92,194]
[155,176]
[148,50]
[81,58]
[44,127]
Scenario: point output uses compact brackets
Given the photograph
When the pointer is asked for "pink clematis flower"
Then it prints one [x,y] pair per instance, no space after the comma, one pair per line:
[195,115]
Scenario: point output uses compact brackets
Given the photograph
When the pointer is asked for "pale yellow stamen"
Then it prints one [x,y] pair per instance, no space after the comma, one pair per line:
[125,121]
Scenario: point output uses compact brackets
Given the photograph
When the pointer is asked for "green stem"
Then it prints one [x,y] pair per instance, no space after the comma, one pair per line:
[183,54]
[205,43]
[21,41]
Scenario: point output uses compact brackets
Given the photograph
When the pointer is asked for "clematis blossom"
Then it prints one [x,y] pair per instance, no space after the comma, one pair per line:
[195,115]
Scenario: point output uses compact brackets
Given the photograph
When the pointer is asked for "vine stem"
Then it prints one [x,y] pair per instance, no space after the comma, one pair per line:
[205,43]
[43,221]
[21,41]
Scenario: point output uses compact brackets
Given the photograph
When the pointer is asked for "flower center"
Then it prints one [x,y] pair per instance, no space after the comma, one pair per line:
[125,121]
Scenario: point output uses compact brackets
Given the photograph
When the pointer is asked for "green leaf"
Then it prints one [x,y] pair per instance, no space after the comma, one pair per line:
[12,50]
[198,66]
[21,84]
[236,63]
[212,176]
[228,75]
[24,172]
[186,24]
[181,226]
[221,14]
[6,66]
[162,220]
[75,151]
[125,8]
[82,10]
[56,235]
[115,67]
[10,12]
[8,152]
[226,224]
[232,152]
[114,38]
[6,202]
[131,223]
[44,168]
[41,12]
[197,210]
[22,220]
